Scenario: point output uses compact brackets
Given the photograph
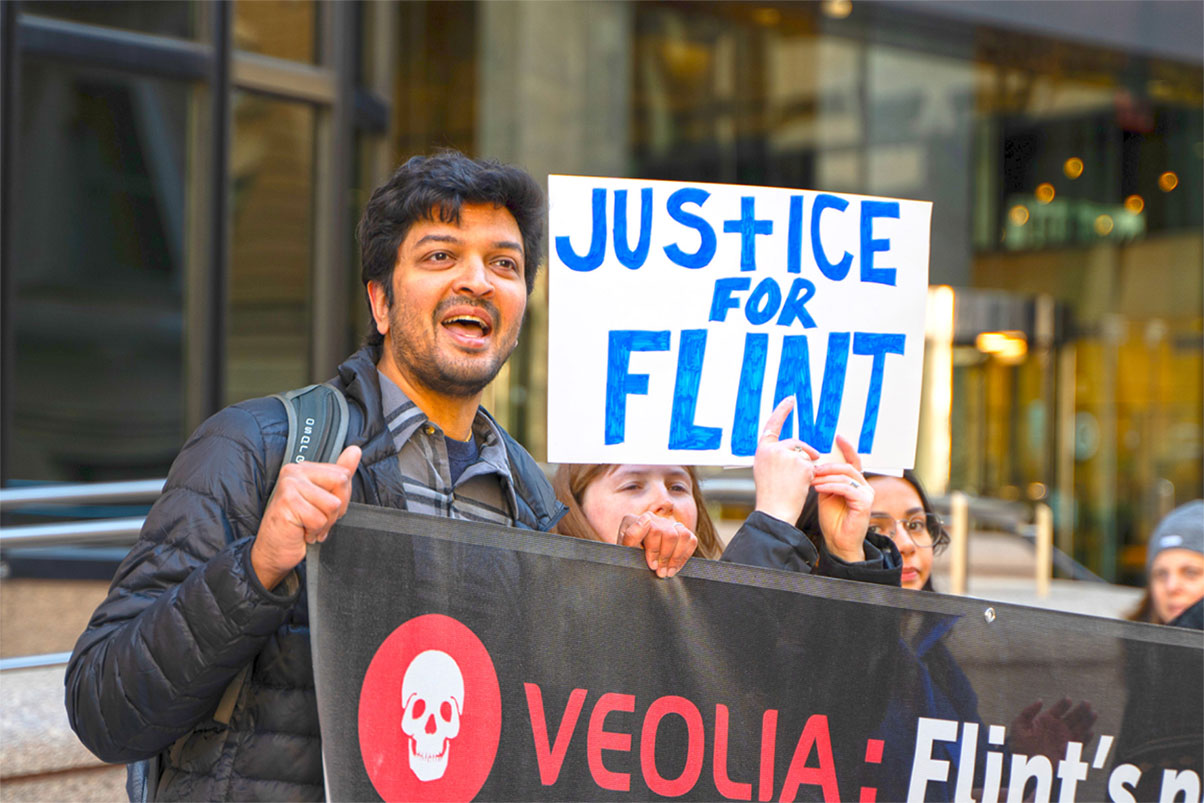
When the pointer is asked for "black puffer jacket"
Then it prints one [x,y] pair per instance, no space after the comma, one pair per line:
[186,613]
[765,541]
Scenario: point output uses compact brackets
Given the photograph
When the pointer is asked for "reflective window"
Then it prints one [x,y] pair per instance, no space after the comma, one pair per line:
[725,94]
[163,17]
[1110,173]
[369,163]
[1095,199]
[438,61]
[271,252]
[283,29]
[97,271]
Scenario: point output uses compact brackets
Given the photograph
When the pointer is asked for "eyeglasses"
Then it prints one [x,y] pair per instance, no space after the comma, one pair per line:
[921,530]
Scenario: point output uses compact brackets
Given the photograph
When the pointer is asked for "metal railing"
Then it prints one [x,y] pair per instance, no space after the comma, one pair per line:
[35,661]
[1013,518]
[107,492]
[1005,517]
[103,532]
[108,532]
[1026,522]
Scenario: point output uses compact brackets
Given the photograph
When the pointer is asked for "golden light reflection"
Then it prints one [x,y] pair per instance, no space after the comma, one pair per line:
[990,342]
[838,9]
[1073,167]
[1168,181]
[1045,192]
[767,17]
[1009,348]
[1018,214]
[1104,225]
[1014,353]
[1134,204]
[936,413]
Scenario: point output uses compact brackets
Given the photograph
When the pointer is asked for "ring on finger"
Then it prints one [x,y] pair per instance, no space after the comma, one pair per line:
[855,483]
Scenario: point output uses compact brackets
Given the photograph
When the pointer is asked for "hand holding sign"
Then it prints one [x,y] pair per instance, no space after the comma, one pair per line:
[782,469]
[667,543]
[845,499]
[308,499]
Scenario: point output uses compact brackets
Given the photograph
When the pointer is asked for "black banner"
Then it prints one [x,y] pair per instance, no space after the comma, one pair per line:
[457,661]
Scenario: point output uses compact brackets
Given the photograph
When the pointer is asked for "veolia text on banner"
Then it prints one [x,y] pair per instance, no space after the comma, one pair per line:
[460,661]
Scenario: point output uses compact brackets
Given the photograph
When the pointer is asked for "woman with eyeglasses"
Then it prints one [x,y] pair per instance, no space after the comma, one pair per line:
[901,511]
[929,672]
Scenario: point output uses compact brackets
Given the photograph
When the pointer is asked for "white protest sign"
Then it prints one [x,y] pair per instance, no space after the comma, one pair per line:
[681,313]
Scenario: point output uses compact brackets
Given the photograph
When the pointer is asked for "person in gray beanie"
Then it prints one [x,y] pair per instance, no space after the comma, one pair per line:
[1175,568]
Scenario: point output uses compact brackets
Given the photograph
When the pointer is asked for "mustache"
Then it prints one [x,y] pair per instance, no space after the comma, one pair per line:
[467,301]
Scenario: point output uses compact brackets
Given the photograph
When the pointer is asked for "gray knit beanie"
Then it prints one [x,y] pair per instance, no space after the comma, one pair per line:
[1183,528]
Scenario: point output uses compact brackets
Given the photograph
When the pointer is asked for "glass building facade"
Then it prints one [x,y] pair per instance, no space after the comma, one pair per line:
[182,180]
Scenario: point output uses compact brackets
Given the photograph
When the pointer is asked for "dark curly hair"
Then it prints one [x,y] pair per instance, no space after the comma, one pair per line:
[426,187]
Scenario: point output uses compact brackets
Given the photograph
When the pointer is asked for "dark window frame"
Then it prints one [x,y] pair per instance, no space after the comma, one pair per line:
[211,64]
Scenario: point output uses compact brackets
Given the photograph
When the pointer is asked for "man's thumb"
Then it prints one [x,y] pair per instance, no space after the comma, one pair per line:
[350,458]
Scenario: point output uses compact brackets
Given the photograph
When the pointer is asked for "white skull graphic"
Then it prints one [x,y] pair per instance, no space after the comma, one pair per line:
[432,699]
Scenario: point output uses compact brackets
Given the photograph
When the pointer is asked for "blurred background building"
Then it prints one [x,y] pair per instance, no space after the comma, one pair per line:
[181,181]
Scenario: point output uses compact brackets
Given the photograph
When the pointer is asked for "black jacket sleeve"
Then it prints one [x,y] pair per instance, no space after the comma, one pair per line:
[882,564]
[1192,618]
[767,541]
[185,611]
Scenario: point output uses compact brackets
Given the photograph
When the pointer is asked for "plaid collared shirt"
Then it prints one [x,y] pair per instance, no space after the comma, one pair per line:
[484,492]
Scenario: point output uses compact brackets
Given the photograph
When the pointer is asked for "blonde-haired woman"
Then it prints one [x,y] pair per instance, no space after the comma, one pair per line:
[661,509]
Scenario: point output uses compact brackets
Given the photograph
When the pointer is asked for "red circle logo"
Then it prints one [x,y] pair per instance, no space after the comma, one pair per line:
[430,712]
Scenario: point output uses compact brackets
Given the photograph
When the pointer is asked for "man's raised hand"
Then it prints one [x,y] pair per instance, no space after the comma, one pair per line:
[308,499]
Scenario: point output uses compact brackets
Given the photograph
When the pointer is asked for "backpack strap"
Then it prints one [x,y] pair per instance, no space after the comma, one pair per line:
[142,779]
[317,423]
[317,427]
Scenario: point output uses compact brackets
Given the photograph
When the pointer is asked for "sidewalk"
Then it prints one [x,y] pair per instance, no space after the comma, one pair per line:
[42,759]
[1002,569]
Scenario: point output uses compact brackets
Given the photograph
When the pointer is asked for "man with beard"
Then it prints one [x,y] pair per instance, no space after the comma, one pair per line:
[200,654]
